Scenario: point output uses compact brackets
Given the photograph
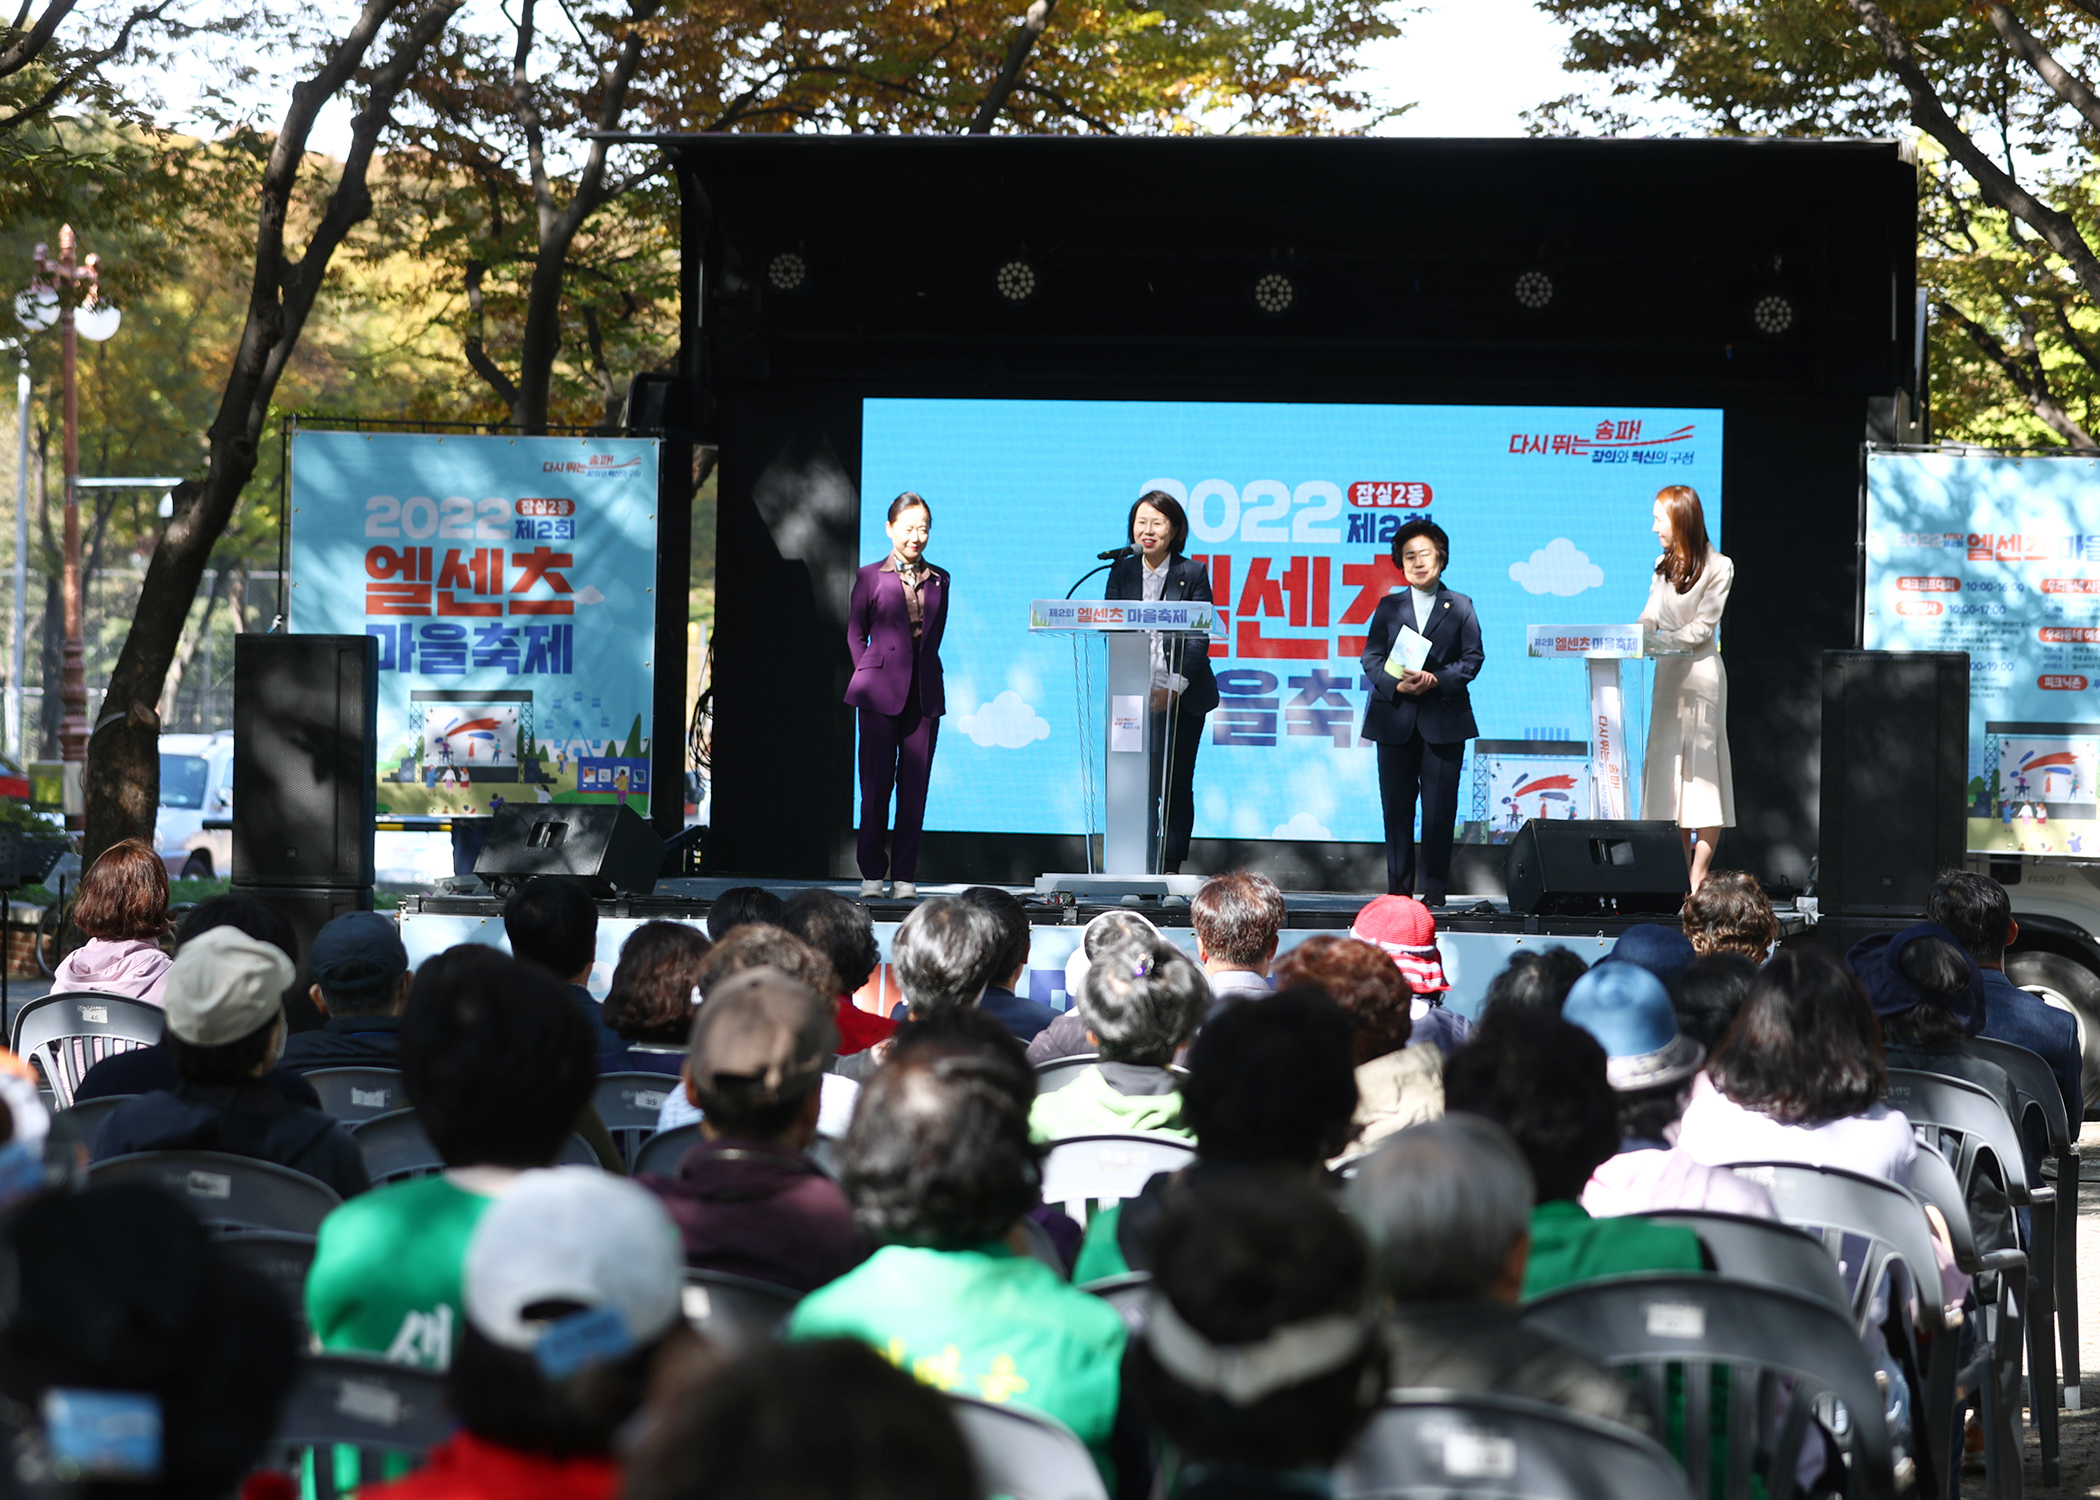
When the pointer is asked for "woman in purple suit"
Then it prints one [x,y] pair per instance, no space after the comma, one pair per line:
[893,630]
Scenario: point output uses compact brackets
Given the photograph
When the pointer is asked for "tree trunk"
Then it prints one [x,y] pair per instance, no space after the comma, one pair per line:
[185,653]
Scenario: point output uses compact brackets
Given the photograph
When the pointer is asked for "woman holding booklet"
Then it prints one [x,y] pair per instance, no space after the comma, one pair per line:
[1422,651]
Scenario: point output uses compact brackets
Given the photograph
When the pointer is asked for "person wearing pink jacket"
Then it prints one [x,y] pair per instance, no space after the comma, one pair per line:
[123,909]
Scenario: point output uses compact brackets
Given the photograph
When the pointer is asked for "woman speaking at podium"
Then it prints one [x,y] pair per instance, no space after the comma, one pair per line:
[1686,777]
[893,632]
[1183,689]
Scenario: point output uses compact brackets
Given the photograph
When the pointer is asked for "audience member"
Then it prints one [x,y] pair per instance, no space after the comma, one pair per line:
[1066,1036]
[943,954]
[1650,1063]
[844,934]
[494,1062]
[1142,1002]
[572,1297]
[1405,930]
[1237,918]
[1976,910]
[224,999]
[1542,1079]
[1259,1361]
[650,1003]
[1707,993]
[121,1290]
[552,921]
[1730,914]
[941,1169]
[1662,951]
[360,982]
[123,909]
[144,1069]
[1535,979]
[743,905]
[29,1156]
[1447,1207]
[827,1418]
[1396,1084]
[1024,1017]
[746,1198]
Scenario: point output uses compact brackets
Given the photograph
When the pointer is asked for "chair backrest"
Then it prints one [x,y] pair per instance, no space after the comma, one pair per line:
[629,1103]
[1932,1182]
[1891,1220]
[661,1151]
[1971,1113]
[737,1312]
[220,1189]
[1058,1071]
[1440,1443]
[1771,1254]
[1763,1335]
[1025,1455]
[352,1094]
[360,1403]
[1084,1171]
[2035,1084]
[87,1115]
[1129,1294]
[280,1258]
[395,1145]
[68,1033]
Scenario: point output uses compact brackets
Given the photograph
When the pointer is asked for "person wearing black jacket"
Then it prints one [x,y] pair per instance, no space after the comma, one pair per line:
[1184,691]
[360,983]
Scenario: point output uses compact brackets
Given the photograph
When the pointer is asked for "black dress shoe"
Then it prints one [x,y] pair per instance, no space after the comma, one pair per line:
[1431,898]
[1170,867]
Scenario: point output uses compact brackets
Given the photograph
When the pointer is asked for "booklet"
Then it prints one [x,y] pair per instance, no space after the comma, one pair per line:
[1408,653]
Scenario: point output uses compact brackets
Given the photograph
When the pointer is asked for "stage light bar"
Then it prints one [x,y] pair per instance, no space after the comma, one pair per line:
[787,272]
[1274,293]
[1533,290]
[1016,281]
[1772,314]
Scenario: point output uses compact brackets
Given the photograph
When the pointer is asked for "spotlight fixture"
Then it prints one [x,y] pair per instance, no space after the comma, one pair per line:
[1016,281]
[1533,290]
[1274,293]
[1772,314]
[787,272]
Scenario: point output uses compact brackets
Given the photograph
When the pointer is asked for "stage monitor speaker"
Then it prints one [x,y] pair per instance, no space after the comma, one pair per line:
[1895,777]
[612,849]
[305,754]
[1596,867]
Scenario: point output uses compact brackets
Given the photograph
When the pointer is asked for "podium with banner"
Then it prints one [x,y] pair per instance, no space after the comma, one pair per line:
[1606,649]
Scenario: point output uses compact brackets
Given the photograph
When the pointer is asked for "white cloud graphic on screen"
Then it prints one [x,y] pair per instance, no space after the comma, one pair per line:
[1303,825]
[1005,723]
[1559,567]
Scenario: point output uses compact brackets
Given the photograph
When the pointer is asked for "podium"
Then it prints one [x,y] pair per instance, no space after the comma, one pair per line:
[1130,815]
[1606,648]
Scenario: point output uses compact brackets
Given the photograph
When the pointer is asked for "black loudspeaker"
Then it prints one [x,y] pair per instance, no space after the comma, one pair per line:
[1895,777]
[306,910]
[611,849]
[305,752]
[1596,867]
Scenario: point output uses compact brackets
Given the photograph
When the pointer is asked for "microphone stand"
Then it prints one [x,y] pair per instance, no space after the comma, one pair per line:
[1084,576]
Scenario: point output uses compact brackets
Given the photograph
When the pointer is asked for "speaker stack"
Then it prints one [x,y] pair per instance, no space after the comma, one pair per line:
[1596,867]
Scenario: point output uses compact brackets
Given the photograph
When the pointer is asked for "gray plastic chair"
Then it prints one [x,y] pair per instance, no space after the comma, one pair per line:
[68,1033]
[395,1146]
[235,1192]
[353,1094]
[87,1115]
[737,1312]
[1784,1351]
[1025,1455]
[1130,1294]
[359,1403]
[1058,1071]
[1747,1249]
[1085,1171]
[280,1258]
[629,1103]
[660,1152]
[1426,1445]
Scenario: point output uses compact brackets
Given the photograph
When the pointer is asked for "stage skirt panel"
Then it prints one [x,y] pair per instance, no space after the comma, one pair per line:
[1686,779]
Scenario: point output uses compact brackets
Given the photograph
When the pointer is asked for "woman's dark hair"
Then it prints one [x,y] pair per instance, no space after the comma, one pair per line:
[241,911]
[229,1062]
[1364,981]
[1012,918]
[500,1395]
[1684,560]
[1542,1079]
[496,1057]
[1648,1114]
[1805,1048]
[751,945]
[964,1030]
[1167,506]
[905,502]
[840,930]
[939,1153]
[651,999]
[741,905]
[1707,992]
[1941,972]
[1537,979]
[124,894]
[1271,1081]
[552,921]
[1730,914]
[1430,529]
[1142,1000]
[795,1421]
[1238,1256]
[1976,909]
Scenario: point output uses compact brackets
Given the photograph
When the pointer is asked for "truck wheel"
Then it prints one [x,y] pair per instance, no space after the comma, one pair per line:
[2068,985]
[197,866]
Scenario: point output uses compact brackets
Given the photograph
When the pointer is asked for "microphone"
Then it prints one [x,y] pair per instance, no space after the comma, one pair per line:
[1117,555]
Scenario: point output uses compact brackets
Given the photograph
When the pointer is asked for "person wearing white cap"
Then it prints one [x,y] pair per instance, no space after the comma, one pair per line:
[572,1294]
[1066,1036]
[224,1000]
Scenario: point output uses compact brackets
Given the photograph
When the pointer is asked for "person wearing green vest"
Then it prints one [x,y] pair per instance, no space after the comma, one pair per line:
[1142,1000]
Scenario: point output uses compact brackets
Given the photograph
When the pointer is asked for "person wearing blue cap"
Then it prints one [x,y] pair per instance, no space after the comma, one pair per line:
[360,982]
[1650,1064]
[1663,951]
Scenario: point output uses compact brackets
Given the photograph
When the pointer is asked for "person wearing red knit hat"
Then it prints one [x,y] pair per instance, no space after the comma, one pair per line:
[1406,930]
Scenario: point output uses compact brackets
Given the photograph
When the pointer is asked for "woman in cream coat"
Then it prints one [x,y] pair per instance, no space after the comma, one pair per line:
[1686,778]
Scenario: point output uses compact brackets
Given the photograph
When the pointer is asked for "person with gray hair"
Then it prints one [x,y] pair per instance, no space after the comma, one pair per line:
[1142,1000]
[1446,1206]
[1066,1036]
[944,954]
[1237,918]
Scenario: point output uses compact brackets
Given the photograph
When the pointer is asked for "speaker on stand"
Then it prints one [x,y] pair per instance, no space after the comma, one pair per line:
[1597,867]
[1895,763]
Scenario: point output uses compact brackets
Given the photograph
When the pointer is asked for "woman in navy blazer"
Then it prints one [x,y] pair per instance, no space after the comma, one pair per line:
[1421,720]
[1184,691]
[893,632]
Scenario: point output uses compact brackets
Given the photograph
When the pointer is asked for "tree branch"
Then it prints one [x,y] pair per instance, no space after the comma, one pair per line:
[83,66]
[2068,86]
[1033,22]
[477,353]
[30,47]
[1065,106]
[2025,374]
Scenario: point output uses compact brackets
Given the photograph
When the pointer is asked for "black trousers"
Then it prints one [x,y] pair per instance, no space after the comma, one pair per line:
[1419,767]
[1175,764]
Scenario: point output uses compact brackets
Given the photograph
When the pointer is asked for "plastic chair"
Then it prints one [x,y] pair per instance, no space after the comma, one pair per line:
[737,1312]
[1758,1250]
[353,1094]
[362,1403]
[1058,1071]
[1025,1455]
[628,1103]
[280,1258]
[1432,1444]
[87,1115]
[1130,1294]
[395,1146]
[1763,1336]
[235,1192]
[660,1152]
[1085,1171]
[66,1034]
